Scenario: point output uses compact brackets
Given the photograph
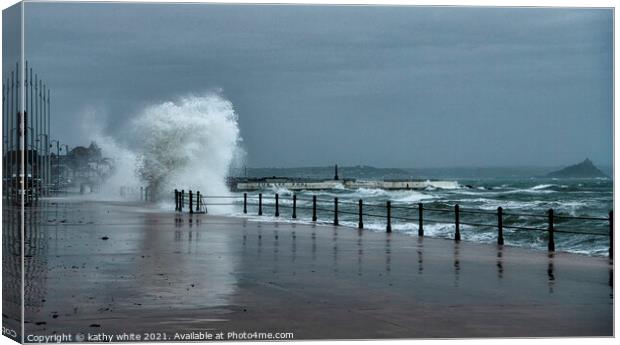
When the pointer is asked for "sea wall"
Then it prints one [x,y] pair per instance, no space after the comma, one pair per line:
[350,184]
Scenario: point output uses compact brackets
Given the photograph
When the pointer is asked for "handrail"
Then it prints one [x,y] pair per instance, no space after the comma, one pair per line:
[202,202]
[581,218]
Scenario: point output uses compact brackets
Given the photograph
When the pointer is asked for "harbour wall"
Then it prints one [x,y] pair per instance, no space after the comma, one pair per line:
[340,184]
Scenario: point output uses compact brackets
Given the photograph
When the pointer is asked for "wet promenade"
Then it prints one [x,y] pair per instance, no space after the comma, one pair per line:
[108,267]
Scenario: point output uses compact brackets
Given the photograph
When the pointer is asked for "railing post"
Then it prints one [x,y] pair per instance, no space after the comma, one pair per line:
[500,226]
[314,208]
[260,204]
[420,219]
[141,191]
[335,211]
[176,200]
[294,206]
[388,205]
[191,202]
[277,206]
[611,235]
[182,200]
[360,224]
[245,203]
[551,245]
[197,201]
[457,225]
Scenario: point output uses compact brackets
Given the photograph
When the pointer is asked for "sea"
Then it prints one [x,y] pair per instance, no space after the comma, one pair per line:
[581,206]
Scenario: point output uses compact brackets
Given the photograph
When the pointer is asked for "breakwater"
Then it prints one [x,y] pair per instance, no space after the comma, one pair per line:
[253,184]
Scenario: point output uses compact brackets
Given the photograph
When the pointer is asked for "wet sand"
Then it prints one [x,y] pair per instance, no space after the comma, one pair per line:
[103,267]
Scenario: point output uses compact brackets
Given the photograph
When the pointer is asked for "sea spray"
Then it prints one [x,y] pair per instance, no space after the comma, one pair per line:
[189,144]
[123,160]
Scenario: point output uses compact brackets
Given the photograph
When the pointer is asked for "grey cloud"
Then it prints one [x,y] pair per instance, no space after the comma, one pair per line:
[387,86]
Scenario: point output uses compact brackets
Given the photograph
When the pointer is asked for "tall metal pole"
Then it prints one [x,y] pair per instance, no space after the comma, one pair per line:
[49,133]
[44,144]
[67,162]
[41,159]
[41,142]
[57,165]
[47,138]
[27,127]
[19,137]
[4,149]
[15,135]
[11,115]
[8,136]
[35,140]
[37,129]
[5,126]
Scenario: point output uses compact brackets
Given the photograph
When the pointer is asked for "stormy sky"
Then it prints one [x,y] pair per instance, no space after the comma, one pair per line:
[315,85]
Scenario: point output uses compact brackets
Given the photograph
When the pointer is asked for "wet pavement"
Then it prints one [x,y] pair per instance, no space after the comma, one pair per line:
[113,267]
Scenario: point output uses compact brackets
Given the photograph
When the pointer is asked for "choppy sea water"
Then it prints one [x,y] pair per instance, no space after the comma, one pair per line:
[535,196]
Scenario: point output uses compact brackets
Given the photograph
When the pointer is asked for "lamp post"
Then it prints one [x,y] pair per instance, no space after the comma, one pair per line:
[67,162]
[42,161]
[57,163]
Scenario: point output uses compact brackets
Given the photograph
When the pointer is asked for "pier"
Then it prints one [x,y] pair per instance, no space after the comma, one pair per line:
[309,184]
[143,270]
[337,182]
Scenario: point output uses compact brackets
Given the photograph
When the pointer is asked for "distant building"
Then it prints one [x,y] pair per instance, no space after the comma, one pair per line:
[83,168]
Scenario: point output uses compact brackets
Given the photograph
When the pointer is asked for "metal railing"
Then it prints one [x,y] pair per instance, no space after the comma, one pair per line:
[26,154]
[552,219]
[193,206]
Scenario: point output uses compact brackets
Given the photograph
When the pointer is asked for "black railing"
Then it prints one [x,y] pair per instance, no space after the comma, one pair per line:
[194,201]
[199,203]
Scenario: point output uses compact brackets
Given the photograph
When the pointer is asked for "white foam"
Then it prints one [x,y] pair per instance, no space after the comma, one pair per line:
[542,186]
[188,144]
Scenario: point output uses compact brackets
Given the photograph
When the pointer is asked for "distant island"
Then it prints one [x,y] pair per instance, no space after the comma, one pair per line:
[584,169]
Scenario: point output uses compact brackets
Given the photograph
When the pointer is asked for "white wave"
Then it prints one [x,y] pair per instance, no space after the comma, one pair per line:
[493,204]
[281,190]
[370,192]
[542,186]
[540,189]
[188,144]
[412,197]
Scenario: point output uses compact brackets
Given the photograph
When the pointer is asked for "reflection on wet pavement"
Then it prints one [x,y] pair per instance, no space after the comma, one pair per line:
[550,273]
[12,272]
[500,265]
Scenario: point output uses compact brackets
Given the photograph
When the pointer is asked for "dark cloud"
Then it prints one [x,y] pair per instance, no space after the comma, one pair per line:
[313,85]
